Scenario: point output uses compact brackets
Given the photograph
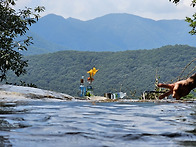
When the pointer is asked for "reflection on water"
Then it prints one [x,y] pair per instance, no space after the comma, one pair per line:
[58,123]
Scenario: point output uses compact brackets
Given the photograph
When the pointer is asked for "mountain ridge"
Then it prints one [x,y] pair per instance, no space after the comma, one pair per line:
[111,32]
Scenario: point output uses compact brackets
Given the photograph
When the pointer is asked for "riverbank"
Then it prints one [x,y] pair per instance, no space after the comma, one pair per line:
[17,93]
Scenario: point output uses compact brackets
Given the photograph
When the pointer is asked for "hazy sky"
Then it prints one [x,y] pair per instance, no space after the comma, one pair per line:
[89,9]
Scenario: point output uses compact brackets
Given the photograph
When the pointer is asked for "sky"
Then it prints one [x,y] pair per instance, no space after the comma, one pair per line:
[90,9]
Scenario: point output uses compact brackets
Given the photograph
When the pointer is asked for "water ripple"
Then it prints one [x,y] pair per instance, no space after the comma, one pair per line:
[45,123]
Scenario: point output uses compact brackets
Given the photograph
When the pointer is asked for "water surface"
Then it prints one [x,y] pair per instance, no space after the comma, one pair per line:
[71,124]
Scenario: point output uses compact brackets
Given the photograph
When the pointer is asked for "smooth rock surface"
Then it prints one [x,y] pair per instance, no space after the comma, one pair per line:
[19,92]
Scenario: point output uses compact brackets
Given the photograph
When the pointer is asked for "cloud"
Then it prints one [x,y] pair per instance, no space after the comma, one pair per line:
[89,9]
[23,2]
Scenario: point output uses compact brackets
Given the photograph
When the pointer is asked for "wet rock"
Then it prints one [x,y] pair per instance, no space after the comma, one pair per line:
[20,92]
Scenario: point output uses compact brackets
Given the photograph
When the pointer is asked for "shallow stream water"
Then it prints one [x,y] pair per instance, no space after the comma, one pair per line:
[46,123]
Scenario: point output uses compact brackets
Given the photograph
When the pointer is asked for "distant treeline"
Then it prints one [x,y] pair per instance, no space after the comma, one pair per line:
[128,71]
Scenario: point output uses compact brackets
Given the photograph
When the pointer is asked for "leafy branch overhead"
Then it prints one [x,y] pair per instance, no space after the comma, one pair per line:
[12,25]
[177,1]
[191,21]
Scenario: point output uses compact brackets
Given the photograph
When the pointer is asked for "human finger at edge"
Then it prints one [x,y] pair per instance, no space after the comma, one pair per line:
[176,92]
[165,95]
[165,85]
[176,95]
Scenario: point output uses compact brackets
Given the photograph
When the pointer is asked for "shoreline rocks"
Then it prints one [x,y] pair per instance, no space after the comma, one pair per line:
[17,93]
[20,92]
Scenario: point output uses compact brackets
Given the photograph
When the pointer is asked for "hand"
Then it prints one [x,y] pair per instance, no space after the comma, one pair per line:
[178,89]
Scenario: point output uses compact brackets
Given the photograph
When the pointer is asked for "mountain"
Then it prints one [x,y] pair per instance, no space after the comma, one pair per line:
[125,70]
[41,45]
[112,32]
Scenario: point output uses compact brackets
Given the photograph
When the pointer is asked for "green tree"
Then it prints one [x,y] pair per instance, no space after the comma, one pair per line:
[191,21]
[12,25]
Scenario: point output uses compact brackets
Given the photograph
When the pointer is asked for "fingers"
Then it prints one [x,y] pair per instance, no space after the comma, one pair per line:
[165,94]
[170,86]
[176,92]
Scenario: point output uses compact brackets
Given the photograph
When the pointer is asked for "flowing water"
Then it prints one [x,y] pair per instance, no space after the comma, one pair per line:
[46,123]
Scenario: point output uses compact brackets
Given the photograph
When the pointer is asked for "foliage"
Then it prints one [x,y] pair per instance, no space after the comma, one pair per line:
[22,83]
[13,24]
[128,71]
[193,3]
[191,21]
[191,95]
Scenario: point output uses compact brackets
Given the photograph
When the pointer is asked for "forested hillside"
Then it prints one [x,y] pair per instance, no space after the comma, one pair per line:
[128,70]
